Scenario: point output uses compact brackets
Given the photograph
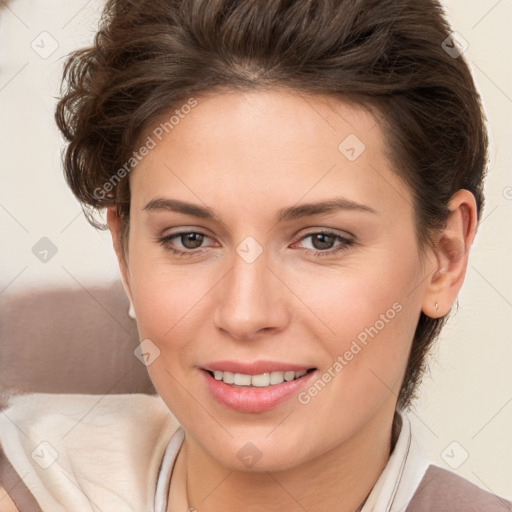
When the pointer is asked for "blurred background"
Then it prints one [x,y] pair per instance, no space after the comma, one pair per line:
[464,412]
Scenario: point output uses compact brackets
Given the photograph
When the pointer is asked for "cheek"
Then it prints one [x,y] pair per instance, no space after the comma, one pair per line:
[162,293]
[171,304]
[168,303]
[368,312]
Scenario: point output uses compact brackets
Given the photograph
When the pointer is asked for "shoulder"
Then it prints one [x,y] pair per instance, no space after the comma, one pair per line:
[52,414]
[59,444]
[78,420]
[441,490]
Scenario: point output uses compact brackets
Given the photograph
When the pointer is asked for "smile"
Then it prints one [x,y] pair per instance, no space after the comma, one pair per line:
[255,392]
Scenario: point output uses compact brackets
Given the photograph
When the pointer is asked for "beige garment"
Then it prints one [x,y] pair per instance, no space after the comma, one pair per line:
[118,440]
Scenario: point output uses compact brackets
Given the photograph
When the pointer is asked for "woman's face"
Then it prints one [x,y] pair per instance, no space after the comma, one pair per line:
[260,289]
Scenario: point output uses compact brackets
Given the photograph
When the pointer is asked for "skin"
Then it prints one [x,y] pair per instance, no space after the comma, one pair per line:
[6,503]
[245,156]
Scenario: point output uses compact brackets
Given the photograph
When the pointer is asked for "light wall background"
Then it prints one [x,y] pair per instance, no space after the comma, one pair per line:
[465,407]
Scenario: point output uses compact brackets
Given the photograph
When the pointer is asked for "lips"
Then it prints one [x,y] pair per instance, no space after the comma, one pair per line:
[254,367]
[251,389]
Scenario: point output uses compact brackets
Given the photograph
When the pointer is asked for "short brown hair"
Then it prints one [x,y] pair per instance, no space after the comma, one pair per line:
[150,55]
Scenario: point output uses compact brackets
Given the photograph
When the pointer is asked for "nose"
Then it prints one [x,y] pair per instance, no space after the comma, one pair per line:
[250,300]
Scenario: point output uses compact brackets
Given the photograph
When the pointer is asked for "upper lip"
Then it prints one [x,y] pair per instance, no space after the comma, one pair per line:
[254,367]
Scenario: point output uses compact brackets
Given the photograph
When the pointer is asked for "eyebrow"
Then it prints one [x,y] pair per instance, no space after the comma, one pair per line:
[285,214]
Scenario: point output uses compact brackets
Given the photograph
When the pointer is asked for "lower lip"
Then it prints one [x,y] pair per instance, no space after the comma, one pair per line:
[251,398]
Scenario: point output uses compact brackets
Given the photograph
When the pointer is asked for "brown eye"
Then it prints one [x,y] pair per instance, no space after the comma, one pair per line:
[322,241]
[191,240]
[325,243]
[185,243]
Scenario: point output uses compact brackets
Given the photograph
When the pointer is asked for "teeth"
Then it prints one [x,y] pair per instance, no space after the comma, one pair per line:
[261,381]
[289,376]
[242,380]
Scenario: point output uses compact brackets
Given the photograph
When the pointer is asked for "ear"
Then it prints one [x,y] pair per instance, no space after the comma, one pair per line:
[451,255]
[114,224]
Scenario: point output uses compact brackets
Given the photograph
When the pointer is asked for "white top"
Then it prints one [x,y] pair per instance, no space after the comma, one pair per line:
[116,453]
[164,476]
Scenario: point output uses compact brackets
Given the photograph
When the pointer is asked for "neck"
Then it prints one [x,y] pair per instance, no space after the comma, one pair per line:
[339,479]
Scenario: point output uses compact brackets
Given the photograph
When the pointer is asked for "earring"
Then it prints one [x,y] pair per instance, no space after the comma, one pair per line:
[440,272]
[131,311]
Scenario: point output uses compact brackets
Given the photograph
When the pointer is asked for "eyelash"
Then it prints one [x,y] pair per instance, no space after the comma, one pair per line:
[344,246]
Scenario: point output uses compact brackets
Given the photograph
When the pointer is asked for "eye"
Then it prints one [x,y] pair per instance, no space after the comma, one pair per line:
[323,243]
[190,242]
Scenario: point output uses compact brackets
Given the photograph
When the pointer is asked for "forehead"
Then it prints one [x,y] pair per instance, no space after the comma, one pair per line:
[272,116]
[277,144]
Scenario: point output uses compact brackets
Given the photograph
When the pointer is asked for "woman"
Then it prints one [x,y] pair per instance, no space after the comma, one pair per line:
[292,189]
